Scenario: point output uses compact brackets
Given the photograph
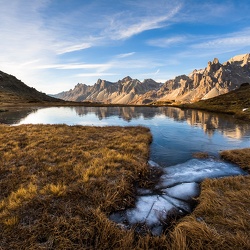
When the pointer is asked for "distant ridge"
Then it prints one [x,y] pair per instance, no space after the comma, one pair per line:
[14,91]
[214,80]
[125,91]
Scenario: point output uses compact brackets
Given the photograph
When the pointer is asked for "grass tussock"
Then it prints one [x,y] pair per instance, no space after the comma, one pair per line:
[201,155]
[60,183]
[221,220]
[239,156]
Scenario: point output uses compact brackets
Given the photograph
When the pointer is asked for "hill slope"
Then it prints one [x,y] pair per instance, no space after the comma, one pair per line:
[235,102]
[13,91]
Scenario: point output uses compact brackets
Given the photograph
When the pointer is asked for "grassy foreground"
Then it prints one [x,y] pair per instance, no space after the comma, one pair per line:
[60,183]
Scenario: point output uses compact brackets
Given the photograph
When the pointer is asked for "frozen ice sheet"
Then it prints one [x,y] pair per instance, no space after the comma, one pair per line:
[196,170]
[177,188]
[149,210]
[183,191]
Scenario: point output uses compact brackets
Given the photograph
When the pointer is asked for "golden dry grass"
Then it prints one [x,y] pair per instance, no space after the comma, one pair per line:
[238,156]
[60,183]
[222,218]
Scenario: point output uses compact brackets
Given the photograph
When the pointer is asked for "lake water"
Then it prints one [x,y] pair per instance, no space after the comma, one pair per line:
[177,135]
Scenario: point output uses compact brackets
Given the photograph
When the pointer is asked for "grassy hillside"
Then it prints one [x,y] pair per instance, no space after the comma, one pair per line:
[231,103]
[14,91]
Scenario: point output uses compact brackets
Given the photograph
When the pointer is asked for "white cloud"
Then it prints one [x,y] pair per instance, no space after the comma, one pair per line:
[157,72]
[166,42]
[123,25]
[125,55]
[73,66]
[24,41]
[231,40]
[74,48]
[95,74]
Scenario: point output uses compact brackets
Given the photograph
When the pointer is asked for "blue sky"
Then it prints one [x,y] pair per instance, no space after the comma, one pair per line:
[52,45]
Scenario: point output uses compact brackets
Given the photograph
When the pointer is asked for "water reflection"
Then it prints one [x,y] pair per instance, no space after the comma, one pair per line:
[177,134]
[126,113]
[15,115]
[209,122]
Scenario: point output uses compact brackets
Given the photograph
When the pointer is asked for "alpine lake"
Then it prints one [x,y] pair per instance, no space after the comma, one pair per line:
[177,136]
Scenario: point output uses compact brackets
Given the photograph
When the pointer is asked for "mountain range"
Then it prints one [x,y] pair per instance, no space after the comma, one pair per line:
[214,80]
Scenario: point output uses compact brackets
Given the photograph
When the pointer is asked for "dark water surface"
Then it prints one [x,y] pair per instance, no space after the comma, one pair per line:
[177,134]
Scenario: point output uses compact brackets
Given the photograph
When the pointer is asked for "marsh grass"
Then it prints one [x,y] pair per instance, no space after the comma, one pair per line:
[59,184]
[238,156]
[222,218]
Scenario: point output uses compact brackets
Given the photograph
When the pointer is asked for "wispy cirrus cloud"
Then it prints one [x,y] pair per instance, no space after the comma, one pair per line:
[203,45]
[166,42]
[125,55]
[73,48]
[74,66]
[95,74]
[226,41]
[123,26]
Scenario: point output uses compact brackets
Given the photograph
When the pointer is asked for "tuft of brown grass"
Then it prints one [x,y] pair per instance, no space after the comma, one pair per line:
[201,155]
[221,220]
[240,157]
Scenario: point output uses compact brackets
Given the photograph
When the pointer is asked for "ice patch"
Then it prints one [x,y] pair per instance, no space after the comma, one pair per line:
[153,164]
[149,210]
[196,170]
[175,193]
[184,191]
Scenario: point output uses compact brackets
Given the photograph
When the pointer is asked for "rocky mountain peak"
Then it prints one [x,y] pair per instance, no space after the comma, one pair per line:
[215,61]
[126,79]
[214,80]
[240,60]
[213,66]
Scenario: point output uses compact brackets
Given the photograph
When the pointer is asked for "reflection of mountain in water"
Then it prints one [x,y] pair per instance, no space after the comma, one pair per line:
[126,113]
[14,116]
[209,122]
